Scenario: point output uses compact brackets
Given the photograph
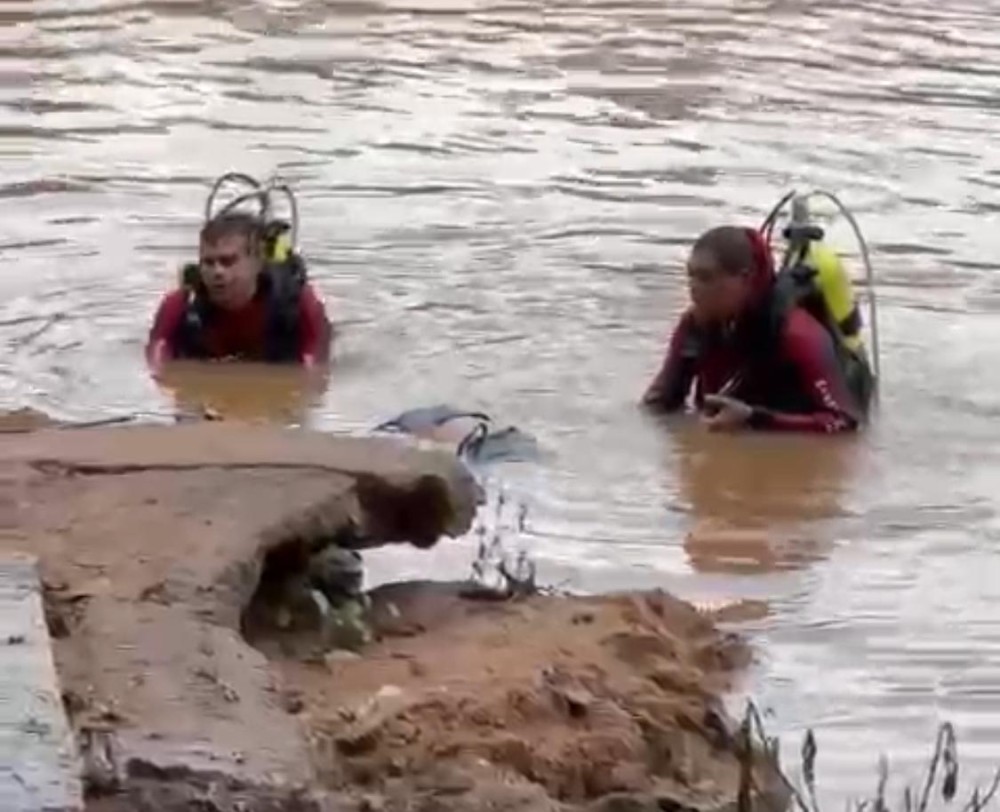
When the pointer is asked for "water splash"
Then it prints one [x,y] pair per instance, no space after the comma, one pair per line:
[503,565]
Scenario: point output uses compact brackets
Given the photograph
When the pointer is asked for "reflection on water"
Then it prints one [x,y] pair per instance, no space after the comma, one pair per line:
[497,197]
[763,481]
[757,504]
[242,391]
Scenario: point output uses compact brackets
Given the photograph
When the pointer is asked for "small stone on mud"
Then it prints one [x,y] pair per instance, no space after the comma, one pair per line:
[155,593]
[372,803]
[294,703]
[332,658]
[283,618]
[370,718]
[625,802]
[446,779]
[577,701]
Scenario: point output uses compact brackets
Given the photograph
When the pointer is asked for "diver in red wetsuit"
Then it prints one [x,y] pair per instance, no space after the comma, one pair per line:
[755,361]
[237,305]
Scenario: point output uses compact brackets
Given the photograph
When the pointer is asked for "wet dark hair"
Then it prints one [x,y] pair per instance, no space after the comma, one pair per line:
[229,224]
[731,247]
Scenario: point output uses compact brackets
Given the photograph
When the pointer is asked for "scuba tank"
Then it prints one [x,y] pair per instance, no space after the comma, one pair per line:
[813,275]
[263,193]
[278,247]
[817,277]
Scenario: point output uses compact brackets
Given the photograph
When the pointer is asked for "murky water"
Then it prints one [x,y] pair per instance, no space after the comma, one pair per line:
[497,196]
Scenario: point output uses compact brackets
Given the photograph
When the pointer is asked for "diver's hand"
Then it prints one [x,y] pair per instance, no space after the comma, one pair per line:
[725,413]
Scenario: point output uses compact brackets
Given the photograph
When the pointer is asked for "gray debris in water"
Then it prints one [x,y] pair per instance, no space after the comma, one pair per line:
[415,421]
[509,444]
[483,444]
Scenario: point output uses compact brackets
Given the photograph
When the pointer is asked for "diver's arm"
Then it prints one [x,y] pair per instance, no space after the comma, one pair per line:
[317,333]
[159,344]
[669,389]
[810,350]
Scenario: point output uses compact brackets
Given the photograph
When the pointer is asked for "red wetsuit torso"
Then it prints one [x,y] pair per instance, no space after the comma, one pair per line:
[242,333]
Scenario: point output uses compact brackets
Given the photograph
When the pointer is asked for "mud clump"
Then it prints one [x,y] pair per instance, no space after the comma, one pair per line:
[562,703]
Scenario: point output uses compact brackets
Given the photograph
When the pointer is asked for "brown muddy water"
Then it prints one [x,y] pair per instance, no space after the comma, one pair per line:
[497,196]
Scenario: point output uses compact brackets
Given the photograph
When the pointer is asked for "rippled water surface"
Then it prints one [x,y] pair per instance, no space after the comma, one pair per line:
[497,197]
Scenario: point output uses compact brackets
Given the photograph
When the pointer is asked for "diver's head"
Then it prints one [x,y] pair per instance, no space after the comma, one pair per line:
[231,258]
[728,268]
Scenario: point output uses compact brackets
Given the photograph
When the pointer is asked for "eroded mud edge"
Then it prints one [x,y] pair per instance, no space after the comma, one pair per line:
[152,542]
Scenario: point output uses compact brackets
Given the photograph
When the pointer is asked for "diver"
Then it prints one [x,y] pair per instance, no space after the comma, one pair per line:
[248,297]
[759,346]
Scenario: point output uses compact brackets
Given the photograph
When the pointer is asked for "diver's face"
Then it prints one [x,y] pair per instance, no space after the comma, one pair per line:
[229,269]
[717,293]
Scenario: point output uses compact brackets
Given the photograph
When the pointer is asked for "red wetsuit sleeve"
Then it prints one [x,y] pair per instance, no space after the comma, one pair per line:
[159,345]
[811,351]
[316,333]
[669,389]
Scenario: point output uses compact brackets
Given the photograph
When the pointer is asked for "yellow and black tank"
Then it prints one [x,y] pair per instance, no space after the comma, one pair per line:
[814,276]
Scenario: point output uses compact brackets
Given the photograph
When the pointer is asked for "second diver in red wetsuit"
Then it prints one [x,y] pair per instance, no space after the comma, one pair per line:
[753,358]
